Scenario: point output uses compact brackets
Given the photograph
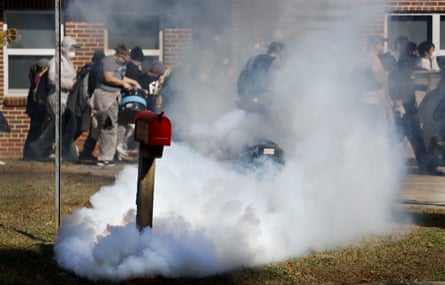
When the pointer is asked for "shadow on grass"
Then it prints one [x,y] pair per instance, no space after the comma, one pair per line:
[429,219]
[422,217]
[33,266]
[38,266]
[25,234]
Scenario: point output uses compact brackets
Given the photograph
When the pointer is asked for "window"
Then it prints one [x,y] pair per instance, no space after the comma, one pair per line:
[37,37]
[442,32]
[418,28]
[136,30]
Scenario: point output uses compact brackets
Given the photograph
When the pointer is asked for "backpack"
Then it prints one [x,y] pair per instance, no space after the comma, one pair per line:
[253,78]
[99,72]
[78,98]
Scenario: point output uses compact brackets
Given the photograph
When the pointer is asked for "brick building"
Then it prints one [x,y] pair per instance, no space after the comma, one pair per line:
[169,29]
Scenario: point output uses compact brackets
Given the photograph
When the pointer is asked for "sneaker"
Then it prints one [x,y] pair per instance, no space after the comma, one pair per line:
[105,163]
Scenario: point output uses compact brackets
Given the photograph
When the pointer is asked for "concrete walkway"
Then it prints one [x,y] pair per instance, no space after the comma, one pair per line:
[424,191]
[418,190]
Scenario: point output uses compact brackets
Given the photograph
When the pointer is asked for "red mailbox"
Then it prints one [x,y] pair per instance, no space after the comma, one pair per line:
[153,129]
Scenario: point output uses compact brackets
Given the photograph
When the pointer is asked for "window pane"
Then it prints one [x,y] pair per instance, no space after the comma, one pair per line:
[131,31]
[18,70]
[36,30]
[442,32]
[416,28]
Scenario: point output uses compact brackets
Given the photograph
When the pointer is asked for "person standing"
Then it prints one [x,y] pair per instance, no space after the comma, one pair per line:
[89,122]
[402,91]
[427,60]
[105,102]
[4,127]
[254,81]
[126,129]
[45,143]
[36,105]
[376,98]
[391,58]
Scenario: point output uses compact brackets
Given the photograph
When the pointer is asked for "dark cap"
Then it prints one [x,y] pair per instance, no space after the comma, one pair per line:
[275,46]
[137,54]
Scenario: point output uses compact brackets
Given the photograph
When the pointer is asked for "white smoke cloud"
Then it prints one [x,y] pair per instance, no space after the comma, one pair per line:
[209,217]
[339,182]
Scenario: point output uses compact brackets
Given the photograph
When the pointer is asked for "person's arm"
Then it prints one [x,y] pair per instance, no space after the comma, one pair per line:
[165,75]
[113,80]
[132,82]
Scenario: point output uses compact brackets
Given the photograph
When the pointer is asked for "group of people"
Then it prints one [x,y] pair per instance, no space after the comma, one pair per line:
[390,92]
[90,98]
[89,101]
[386,82]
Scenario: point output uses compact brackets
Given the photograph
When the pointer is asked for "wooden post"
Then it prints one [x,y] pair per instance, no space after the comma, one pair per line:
[145,191]
[153,132]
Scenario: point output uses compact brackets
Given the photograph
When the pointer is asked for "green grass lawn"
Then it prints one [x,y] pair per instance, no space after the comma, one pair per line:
[27,231]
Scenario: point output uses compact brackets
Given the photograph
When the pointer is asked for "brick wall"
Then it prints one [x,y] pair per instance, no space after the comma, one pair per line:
[91,37]
[177,44]
[417,6]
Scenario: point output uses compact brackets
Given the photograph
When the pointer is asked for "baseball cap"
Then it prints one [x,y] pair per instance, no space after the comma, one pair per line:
[137,54]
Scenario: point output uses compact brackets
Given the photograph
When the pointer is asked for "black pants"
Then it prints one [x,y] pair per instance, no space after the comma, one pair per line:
[410,125]
[37,124]
[43,146]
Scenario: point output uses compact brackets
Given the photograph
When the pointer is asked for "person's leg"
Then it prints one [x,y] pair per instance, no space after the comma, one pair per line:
[108,134]
[69,129]
[91,141]
[35,129]
[121,146]
[426,160]
[43,146]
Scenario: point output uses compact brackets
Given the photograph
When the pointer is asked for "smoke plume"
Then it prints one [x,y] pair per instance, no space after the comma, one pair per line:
[211,214]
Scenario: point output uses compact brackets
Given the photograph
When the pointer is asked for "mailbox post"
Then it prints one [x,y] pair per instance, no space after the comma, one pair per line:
[153,132]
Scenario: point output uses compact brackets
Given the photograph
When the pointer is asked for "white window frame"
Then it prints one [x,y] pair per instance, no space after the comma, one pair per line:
[146,52]
[16,92]
[435,28]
